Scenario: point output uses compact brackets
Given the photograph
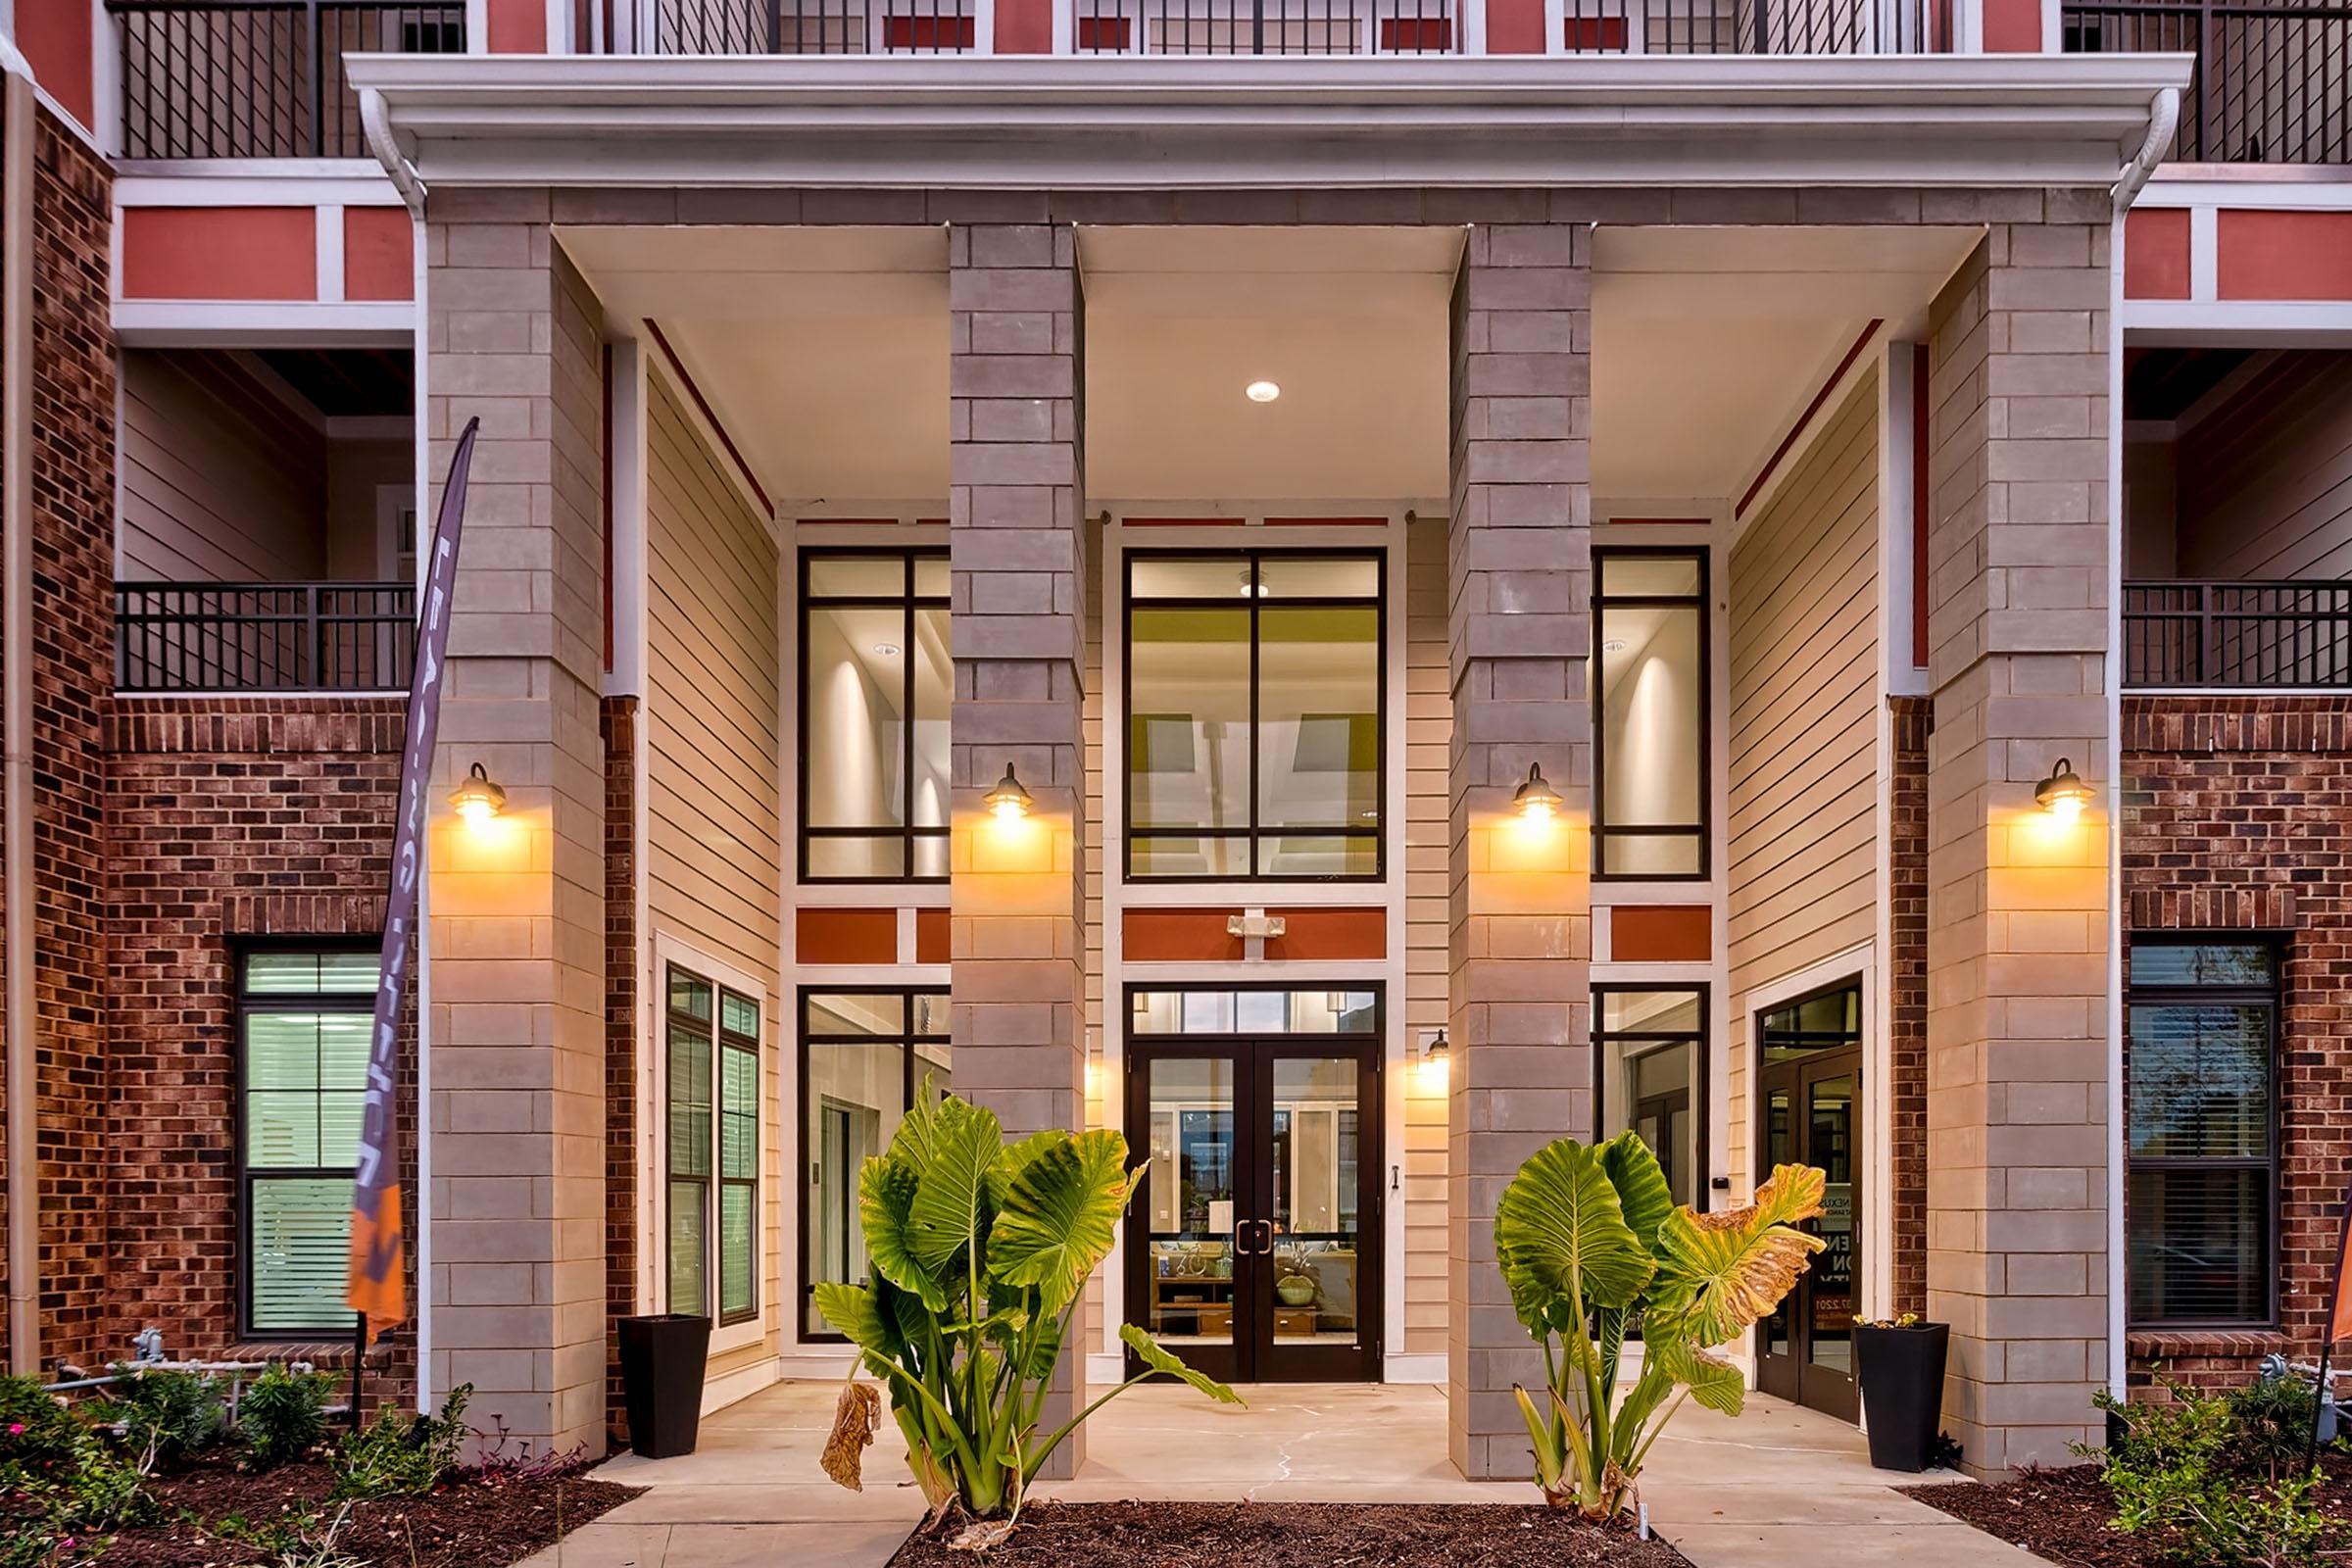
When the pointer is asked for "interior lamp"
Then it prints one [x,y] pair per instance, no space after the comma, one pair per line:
[478,799]
[2063,794]
[1009,802]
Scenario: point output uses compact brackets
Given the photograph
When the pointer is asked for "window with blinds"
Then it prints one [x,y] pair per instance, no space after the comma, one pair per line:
[303,1022]
[712,1116]
[2200,1199]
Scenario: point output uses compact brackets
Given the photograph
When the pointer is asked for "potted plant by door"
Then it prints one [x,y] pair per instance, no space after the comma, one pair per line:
[662,1355]
[1900,1365]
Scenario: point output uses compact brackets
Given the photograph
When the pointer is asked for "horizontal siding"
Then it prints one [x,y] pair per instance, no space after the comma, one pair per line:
[1427,741]
[219,481]
[2265,483]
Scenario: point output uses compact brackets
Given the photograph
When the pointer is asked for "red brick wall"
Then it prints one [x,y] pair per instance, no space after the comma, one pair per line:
[227,819]
[1907,1036]
[2238,817]
[620,1042]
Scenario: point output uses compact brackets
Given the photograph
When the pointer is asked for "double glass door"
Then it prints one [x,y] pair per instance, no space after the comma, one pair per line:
[1811,1083]
[1253,1249]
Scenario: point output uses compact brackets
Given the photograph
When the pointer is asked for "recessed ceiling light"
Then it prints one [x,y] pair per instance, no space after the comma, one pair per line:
[1615,645]
[1261,391]
[887,650]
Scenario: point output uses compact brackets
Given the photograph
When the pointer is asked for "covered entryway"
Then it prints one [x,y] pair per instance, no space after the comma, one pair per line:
[1810,1077]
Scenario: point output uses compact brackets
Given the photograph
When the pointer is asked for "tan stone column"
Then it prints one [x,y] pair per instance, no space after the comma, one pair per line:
[1018,553]
[1520,572]
[517,1112]
[2018,908]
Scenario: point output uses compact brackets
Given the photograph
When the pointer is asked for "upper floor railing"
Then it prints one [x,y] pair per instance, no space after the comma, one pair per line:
[264,636]
[260,78]
[2273,82]
[2237,634]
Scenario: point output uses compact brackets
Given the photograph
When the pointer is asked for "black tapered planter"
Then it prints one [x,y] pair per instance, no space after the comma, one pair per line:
[1902,1391]
[661,1359]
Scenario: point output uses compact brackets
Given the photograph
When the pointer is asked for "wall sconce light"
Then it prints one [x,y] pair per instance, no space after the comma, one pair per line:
[2063,794]
[1008,800]
[1535,801]
[478,799]
[1435,1053]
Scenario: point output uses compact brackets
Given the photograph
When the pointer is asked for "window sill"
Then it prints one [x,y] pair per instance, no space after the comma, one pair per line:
[2164,1345]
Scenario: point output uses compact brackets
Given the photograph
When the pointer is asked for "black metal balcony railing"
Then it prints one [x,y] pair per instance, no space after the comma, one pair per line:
[263,637]
[260,78]
[2273,82]
[2244,634]
[1265,27]
[812,27]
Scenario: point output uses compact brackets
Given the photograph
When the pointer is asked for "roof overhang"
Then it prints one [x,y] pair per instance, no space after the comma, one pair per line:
[1037,123]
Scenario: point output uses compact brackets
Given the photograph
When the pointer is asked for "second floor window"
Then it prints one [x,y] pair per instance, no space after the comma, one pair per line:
[2202,1164]
[1255,709]
[1650,818]
[876,686]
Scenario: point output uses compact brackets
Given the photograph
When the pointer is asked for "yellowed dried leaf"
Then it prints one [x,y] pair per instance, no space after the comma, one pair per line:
[857,1416]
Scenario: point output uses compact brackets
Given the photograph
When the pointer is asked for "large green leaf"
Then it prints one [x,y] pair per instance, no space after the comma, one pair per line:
[1714,1382]
[856,1316]
[1642,1190]
[1722,1272]
[950,1197]
[1014,1157]
[1061,1216]
[1148,1351]
[885,1200]
[1560,1226]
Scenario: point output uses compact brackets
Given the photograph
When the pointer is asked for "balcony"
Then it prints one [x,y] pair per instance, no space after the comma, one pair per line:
[2273,82]
[263,637]
[2241,635]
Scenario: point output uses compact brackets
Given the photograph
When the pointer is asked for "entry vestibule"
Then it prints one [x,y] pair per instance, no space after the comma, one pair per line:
[1810,1078]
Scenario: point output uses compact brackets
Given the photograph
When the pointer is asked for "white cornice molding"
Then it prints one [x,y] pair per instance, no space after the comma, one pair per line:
[1080,124]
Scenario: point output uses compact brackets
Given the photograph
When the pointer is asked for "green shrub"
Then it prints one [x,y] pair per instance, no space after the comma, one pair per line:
[164,1416]
[2272,1418]
[37,1434]
[283,1416]
[401,1456]
[2214,1479]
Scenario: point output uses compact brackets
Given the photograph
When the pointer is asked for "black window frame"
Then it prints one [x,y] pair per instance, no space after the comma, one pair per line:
[1701,600]
[246,1002]
[715,1180]
[2271,997]
[907,1039]
[910,603]
[1248,556]
[1702,1059]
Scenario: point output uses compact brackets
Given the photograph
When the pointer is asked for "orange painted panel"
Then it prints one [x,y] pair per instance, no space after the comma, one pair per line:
[1515,27]
[1661,933]
[54,37]
[930,936]
[1331,934]
[848,936]
[1326,522]
[2013,27]
[518,27]
[1026,26]
[1182,522]
[1179,936]
[380,261]
[2284,254]
[220,253]
[2156,253]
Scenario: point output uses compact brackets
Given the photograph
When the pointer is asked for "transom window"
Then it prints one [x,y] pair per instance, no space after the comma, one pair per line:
[2202,1164]
[711,1120]
[865,1055]
[876,686]
[1649,1057]
[1649,618]
[303,1022]
[1256,711]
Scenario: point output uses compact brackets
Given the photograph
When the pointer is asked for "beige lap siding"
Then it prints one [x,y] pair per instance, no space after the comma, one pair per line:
[713,803]
[1802,836]
[1428,735]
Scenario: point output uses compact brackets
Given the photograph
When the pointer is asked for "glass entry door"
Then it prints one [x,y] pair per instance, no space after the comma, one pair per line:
[1253,1249]
[1811,1084]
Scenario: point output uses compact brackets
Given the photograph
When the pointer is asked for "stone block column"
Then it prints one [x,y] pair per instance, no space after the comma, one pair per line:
[2018,1057]
[1519,568]
[516,1116]
[1017,555]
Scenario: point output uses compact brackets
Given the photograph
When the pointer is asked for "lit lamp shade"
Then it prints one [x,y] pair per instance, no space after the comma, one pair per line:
[1535,799]
[478,799]
[2063,794]
[1009,802]
[1436,1050]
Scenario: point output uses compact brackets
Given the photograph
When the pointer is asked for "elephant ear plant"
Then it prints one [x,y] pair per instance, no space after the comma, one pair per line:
[980,1251]
[1592,1246]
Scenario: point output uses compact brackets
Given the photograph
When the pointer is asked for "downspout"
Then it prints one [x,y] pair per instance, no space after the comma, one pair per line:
[16,710]
[2164,118]
[375,123]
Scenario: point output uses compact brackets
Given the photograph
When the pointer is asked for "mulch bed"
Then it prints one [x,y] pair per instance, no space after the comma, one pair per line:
[2064,1515]
[1297,1535]
[469,1522]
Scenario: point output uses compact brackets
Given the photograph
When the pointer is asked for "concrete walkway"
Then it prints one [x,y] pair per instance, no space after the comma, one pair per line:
[1779,1488]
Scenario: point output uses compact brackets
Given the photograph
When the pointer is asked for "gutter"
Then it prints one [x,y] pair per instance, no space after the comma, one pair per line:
[2164,118]
[16,709]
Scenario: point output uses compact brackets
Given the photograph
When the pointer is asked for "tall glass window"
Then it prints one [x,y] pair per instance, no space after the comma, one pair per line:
[865,1055]
[1649,819]
[1255,715]
[2203,1158]
[711,1120]
[1649,1049]
[304,1020]
[876,686]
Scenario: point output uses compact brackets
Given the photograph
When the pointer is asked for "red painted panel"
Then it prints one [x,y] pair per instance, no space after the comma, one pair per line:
[1416,35]
[220,253]
[1182,522]
[1179,936]
[2283,256]
[2156,253]
[54,37]
[2013,27]
[1101,35]
[516,27]
[1595,35]
[1515,27]
[846,936]
[1326,522]
[1026,27]
[1661,933]
[1324,935]
[380,261]
[931,928]
[1663,523]
[933,32]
